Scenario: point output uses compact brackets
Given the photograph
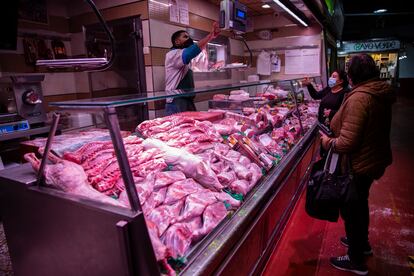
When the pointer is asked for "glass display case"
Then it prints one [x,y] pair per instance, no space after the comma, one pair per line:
[188,193]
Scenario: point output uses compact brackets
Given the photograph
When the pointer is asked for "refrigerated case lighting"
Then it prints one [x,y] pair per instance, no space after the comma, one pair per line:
[380,11]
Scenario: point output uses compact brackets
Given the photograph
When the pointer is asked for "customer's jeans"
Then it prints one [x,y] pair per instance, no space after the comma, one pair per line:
[181,104]
[355,213]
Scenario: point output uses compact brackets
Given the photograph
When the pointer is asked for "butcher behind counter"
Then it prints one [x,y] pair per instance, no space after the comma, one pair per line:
[178,75]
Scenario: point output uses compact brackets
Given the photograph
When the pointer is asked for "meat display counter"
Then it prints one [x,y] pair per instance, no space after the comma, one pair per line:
[215,205]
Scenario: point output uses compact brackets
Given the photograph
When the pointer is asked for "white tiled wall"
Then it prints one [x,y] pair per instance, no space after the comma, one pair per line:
[79,7]
[236,47]
[282,42]
[58,84]
[270,21]
[107,79]
[149,80]
[81,82]
[158,74]
[204,9]
[286,42]
[146,32]
[161,33]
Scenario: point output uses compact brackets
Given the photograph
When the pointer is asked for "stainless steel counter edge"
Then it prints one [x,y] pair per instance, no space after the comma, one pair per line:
[225,236]
[24,133]
[25,175]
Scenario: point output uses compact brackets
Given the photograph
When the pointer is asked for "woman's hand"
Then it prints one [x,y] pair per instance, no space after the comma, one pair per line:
[325,141]
[306,81]
[326,112]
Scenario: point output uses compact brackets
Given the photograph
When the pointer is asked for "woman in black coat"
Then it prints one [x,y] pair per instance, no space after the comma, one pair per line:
[331,96]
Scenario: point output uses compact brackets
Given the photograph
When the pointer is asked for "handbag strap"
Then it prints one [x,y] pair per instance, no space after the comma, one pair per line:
[333,159]
[334,162]
[328,157]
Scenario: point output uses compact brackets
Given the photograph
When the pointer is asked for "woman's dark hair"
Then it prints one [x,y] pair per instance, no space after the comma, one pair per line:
[175,36]
[362,68]
[343,77]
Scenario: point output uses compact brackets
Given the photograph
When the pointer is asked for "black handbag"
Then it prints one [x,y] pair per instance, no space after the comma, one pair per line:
[328,186]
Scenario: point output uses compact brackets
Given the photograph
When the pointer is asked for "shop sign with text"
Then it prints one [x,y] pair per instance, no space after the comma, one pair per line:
[370,46]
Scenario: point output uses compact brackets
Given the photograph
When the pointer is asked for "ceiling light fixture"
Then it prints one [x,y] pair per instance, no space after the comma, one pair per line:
[380,11]
[280,4]
[266,6]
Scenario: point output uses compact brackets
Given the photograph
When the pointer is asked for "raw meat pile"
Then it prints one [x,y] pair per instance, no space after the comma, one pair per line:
[68,177]
[179,211]
[234,171]
[101,166]
[227,170]
[184,171]
[181,132]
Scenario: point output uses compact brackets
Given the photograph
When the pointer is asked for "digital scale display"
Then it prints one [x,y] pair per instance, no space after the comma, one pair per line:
[13,127]
[241,14]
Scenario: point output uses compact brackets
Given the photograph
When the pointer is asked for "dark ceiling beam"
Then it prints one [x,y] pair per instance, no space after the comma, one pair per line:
[325,22]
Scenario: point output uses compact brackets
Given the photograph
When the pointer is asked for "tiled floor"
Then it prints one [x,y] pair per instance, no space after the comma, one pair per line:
[307,244]
[5,264]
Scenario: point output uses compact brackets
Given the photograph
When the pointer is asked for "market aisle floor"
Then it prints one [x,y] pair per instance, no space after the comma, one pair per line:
[308,244]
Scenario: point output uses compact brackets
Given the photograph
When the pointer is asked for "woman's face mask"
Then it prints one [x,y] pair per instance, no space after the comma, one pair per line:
[332,82]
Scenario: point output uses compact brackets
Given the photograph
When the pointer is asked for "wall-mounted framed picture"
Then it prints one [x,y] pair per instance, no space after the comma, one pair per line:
[33,11]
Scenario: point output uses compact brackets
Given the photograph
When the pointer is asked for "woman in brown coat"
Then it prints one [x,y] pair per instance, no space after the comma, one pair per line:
[362,129]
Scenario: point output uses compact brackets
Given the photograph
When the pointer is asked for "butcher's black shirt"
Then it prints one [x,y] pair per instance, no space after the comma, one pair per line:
[328,99]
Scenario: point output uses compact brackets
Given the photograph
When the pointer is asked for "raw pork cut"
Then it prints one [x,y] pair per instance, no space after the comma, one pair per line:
[195,205]
[86,151]
[226,178]
[164,214]
[234,155]
[68,177]
[244,160]
[238,168]
[157,197]
[178,239]
[227,199]
[256,174]
[144,190]
[221,148]
[192,166]
[212,216]
[194,223]
[223,129]
[181,189]
[240,186]
[219,167]
[160,250]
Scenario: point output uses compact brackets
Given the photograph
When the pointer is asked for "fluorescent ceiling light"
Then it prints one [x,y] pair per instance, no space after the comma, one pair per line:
[215,44]
[280,4]
[265,6]
[212,44]
[160,3]
[380,11]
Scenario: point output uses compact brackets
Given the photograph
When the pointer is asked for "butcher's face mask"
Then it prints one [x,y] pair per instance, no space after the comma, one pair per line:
[184,41]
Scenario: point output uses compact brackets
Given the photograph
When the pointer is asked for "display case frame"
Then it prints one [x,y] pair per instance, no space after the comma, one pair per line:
[132,234]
